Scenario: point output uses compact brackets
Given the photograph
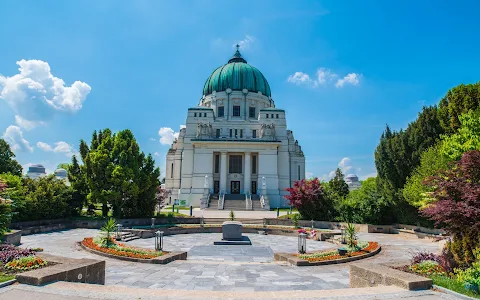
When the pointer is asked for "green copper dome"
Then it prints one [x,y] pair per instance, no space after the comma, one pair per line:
[237,75]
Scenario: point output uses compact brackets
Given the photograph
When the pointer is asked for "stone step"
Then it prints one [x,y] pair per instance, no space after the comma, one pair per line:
[69,290]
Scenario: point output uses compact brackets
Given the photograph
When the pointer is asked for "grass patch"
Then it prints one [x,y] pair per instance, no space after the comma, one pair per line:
[176,206]
[452,284]
[294,210]
[6,277]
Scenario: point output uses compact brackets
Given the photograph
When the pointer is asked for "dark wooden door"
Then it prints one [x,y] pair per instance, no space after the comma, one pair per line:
[216,187]
[235,187]
[254,187]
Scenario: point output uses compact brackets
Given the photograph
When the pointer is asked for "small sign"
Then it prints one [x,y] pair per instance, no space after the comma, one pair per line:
[183,202]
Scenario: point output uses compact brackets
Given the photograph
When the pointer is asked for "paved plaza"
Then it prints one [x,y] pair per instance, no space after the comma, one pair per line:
[214,268]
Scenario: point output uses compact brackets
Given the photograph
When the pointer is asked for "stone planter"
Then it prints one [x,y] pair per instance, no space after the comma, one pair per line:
[13,237]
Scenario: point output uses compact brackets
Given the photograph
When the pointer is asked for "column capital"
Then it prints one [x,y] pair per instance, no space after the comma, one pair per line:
[247,152]
[223,152]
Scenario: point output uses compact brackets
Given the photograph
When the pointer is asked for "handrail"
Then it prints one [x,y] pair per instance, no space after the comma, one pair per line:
[248,201]
[221,199]
[208,200]
[262,201]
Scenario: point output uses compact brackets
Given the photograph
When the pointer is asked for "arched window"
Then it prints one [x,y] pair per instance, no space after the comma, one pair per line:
[171,172]
[298,172]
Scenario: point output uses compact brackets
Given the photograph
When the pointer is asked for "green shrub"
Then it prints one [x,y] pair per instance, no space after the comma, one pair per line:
[232,215]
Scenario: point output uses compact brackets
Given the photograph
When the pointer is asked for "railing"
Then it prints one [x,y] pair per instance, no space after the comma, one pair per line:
[221,199]
[248,201]
[208,200]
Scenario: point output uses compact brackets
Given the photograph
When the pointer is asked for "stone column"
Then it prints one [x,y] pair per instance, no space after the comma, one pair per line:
[247,173]
[223,171]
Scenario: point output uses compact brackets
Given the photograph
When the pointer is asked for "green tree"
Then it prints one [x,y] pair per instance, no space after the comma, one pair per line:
[415,192]
[465,139]
[8,164]
[119,175]
[338,184]
[42,199]
[64,166]
[457,101]
[364,205]
[78,182]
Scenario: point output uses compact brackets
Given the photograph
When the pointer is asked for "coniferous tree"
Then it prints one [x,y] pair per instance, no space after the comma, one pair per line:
[338,184]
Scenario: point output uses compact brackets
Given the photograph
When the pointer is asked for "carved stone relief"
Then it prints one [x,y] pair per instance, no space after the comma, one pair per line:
[267,131]
[204,130]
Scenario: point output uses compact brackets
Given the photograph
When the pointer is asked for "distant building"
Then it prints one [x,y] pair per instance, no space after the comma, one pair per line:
[352,182]
[62,174]
[36,171]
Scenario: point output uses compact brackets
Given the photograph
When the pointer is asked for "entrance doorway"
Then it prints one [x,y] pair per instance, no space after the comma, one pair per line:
[254,187]
[235,187]
[216,187]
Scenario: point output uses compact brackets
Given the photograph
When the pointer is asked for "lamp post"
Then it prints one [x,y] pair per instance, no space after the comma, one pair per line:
[153,223]
[302,243]
[119,229]
[342,230]
[159,240]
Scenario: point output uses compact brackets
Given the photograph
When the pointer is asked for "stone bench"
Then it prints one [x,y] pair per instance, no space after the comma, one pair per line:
[65,269]
[368,274]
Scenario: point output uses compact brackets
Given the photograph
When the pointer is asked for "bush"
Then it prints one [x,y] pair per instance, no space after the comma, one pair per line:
[457,206]
[309,197]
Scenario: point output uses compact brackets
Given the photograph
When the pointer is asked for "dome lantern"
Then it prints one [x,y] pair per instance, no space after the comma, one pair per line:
[237,75]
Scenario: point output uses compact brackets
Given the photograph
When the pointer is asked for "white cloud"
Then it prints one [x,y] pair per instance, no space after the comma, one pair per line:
[44,146]
[14,136]
[60,147]
[245,43]
[308,174]
[351,78]
[26,124]
[345,165]
[156,154]
[300,78]
[324,76]
[152,139]
[35,94]
[167,135]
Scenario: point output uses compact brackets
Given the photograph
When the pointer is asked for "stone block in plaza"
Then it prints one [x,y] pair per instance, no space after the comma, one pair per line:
[232,231]
[232,234]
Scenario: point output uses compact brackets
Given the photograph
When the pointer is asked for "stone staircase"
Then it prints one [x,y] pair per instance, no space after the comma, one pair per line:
[128,236]
[234,205]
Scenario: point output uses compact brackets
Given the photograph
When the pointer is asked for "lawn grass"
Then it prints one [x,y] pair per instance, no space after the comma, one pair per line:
[453,285]
[5,277]
[169,207]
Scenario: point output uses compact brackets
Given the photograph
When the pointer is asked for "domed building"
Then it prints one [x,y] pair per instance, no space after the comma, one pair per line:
[235,151]
[36,171]
[352,182]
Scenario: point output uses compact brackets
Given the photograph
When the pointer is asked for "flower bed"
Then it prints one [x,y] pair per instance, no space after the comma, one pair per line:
[362,248]
[441,270]
[119,249]
[26,263]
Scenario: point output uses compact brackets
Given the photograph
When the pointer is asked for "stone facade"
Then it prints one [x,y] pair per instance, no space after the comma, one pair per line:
[238,141]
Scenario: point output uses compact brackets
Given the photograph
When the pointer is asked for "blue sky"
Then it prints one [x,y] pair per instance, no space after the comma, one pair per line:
[141,64]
